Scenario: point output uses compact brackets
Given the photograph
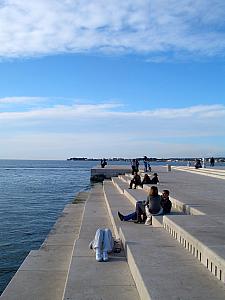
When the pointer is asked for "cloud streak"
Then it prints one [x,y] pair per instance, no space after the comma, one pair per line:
[34,28]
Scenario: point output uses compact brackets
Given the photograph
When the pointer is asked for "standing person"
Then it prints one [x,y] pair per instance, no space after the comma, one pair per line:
[137,165]
[133,166]
[153,205]
[212,162]
[145,163]
[149,167]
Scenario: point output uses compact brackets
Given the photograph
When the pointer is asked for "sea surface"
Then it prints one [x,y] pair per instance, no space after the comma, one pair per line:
[32,196]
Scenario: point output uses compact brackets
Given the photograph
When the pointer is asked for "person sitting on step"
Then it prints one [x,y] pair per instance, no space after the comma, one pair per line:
[146,179]
[153,205]
[136,181]
[165,202]
[138,216]
[155,179]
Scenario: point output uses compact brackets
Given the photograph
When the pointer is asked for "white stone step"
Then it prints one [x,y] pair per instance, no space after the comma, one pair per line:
[203,237]
[161,268]
[89,279]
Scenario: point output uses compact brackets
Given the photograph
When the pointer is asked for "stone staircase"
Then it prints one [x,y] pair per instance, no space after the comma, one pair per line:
[161,268]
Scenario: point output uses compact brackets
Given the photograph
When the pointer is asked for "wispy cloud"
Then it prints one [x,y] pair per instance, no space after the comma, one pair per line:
[108,129]
[21,100]
[30,28]
[106,110]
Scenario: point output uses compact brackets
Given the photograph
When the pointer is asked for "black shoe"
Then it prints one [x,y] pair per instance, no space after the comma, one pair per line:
[130,188]
[120,216]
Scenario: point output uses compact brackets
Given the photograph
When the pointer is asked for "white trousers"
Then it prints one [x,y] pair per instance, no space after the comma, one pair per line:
[103,240]
[148,214]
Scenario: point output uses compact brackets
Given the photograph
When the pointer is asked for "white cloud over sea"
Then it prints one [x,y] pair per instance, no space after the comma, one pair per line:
[43,27]
[109,129]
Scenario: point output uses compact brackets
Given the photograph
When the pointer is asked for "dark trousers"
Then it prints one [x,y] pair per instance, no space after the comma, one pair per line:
[136,183]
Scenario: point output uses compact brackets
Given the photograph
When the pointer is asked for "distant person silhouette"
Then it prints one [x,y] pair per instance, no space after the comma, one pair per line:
[212,161]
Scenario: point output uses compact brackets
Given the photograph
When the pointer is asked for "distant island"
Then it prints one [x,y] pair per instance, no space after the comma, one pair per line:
[151,159]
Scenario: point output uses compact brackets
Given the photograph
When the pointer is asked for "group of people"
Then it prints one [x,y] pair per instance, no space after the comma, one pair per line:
[155,205]
[136,180]
[135,165]
[147,166]
[199,164]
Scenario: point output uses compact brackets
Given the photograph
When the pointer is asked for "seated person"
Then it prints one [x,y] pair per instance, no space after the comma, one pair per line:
[146,179]
[155,179]
[153,205]
[138,216]
[165,202]
[198,164]
[136,181]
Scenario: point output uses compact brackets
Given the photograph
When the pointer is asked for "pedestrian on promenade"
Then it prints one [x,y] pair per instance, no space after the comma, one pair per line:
[212,162]
[145,160]
[136,180]
[133,166]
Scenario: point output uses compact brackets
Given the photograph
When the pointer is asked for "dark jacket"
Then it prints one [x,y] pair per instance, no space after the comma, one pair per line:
[153,203]
[146,180]
[155,180]
[166,205]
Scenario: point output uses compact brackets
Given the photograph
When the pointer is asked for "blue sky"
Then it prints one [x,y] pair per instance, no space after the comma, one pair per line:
[138,78]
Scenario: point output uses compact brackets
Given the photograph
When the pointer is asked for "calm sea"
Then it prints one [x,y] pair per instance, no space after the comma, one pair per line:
[32,196]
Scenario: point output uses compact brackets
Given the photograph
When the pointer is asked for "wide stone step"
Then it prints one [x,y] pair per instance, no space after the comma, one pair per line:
[216,173]
[178,205]
[203,237]
[153,256]
[89,279]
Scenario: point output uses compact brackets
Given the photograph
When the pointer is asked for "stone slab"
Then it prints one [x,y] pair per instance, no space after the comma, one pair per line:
[89,279]
[38,285]
[163,255]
